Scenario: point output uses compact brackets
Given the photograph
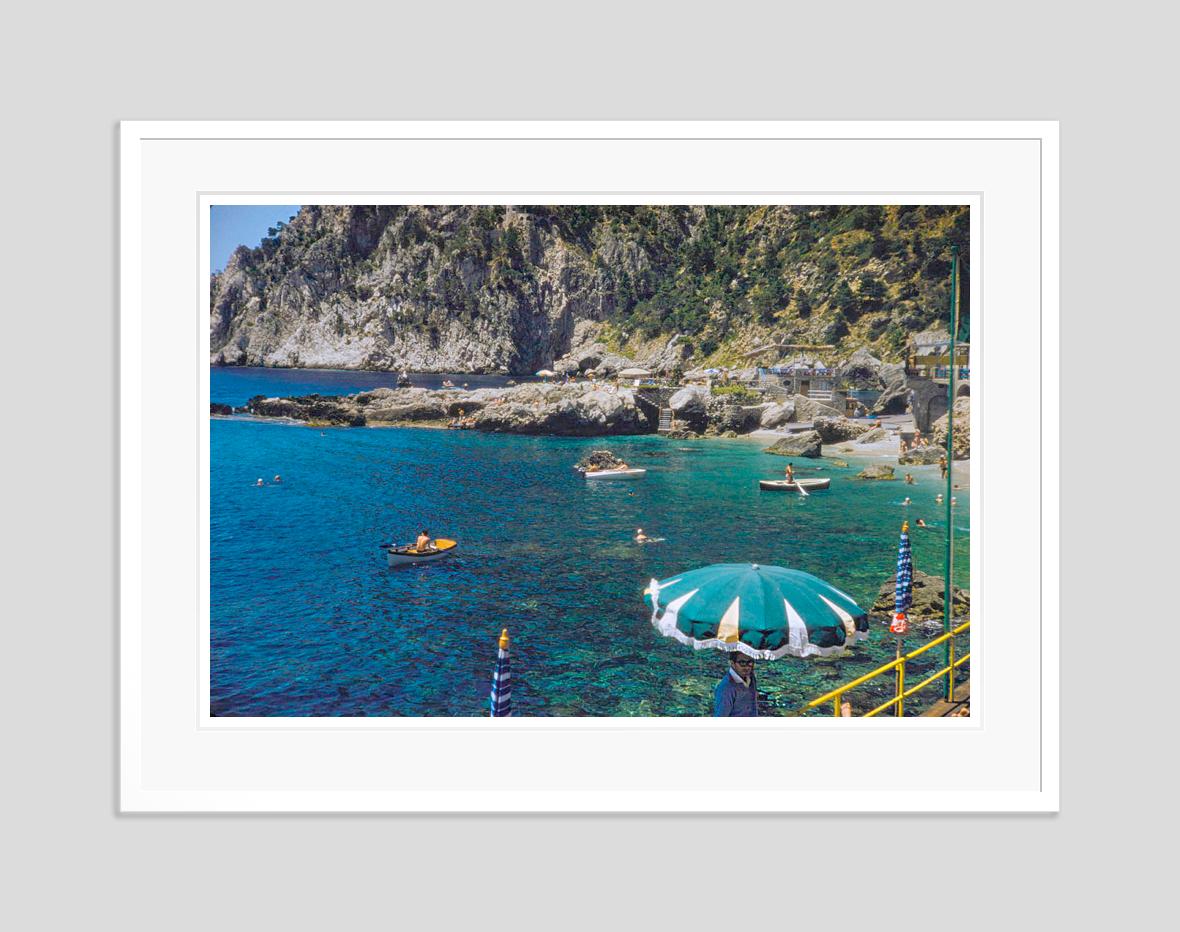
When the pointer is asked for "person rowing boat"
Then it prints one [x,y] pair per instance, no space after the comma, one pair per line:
[423,543]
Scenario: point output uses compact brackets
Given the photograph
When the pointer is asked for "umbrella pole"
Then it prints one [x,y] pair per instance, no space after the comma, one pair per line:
[948,562]
[900,681]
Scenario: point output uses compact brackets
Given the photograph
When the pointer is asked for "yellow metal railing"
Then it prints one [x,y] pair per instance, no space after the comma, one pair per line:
[901,693]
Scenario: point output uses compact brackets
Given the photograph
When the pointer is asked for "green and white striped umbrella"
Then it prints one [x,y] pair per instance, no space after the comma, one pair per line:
[766,612]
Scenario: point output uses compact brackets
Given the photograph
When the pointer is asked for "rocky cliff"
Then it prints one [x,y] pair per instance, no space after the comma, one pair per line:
[467,288]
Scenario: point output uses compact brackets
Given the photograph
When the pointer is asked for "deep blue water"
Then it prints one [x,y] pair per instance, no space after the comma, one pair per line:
[308,620]
[232,385]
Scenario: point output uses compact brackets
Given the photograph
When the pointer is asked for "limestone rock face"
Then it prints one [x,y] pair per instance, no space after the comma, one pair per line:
[962,442]
[808,443]
[808,410]
[873,435]
[423,288]
[669,357]
[726,416]
[861,370]
[878,471]
[483,288]
[586,414]
[688,406]
[921,456]
[776,415]
[895,389]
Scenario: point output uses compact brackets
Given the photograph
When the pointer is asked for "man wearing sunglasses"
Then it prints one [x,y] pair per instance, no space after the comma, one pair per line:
[737,693]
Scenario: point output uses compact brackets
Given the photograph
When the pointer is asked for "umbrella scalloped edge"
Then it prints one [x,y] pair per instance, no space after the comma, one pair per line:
[669,629]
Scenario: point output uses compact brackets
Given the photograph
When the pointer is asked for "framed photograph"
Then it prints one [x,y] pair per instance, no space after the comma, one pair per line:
[554,466]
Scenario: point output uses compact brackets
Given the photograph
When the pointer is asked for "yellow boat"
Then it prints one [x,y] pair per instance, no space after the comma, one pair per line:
[407,554]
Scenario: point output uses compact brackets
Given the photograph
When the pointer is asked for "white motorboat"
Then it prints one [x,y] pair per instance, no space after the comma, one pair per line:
[614,473]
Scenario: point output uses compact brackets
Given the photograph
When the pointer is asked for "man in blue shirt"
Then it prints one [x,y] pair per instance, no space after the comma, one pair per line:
[737,693]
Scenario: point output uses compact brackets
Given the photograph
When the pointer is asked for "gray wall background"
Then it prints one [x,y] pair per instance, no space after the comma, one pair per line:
[71,73]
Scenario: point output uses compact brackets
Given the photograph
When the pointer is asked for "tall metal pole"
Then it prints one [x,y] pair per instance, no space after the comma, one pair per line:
[949,561]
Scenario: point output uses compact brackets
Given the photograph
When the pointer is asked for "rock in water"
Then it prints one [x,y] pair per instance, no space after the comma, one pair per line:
[928,598]
[880,471]
[873,435]
[808,443]
[600,459]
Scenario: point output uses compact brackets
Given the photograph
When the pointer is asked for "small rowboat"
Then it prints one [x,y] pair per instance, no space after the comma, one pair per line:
[785,485]
[406,554]
[615,474]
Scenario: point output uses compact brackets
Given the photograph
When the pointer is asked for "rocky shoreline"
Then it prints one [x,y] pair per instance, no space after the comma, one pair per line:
[800,425]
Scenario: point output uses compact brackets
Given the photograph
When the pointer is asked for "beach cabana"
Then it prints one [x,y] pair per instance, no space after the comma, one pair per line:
[765,612]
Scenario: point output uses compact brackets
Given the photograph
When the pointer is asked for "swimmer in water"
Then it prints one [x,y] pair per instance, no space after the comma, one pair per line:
[938,498]
[907,500]
[278,478]
[909,479]
[920,523]
[954,501]
[259,482]
[640,537]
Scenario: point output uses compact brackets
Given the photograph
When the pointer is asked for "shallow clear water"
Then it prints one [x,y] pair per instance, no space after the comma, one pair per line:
[308,620]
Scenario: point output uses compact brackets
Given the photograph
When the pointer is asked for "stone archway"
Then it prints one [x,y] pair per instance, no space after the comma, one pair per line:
[963,390]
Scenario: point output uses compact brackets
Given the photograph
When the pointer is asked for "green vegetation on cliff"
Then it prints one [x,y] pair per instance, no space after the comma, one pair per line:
[442,287]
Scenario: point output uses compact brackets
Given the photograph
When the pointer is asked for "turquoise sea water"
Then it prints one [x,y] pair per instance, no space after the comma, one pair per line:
[308,620]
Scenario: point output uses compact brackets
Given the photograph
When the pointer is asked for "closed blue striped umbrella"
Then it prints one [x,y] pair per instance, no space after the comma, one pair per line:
[501,702]
[903,592]
[903,589]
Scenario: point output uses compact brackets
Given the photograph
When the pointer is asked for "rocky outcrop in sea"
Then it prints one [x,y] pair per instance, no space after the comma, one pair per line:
[929,598]
[563,410]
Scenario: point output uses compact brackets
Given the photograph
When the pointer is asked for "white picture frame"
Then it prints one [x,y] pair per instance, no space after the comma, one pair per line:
[173,757]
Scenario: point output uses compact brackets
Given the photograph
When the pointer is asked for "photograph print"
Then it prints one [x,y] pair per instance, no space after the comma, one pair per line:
[490,460]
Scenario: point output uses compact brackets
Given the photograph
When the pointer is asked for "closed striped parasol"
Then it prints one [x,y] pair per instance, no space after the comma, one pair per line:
[766,612]
[903,590]
[501,701]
